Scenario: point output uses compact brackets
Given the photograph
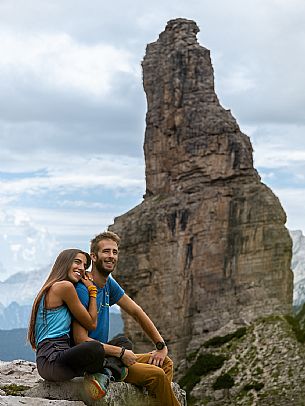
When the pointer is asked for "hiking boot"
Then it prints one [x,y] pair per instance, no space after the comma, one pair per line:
[124,373]
[96,385]
[117,368]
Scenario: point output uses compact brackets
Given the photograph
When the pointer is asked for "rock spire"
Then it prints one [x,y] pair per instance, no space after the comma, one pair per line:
[208,244]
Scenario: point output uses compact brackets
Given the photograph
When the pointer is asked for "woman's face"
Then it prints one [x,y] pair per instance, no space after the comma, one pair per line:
[77,270]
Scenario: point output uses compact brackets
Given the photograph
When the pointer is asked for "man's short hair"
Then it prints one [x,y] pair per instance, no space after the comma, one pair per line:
[105,235]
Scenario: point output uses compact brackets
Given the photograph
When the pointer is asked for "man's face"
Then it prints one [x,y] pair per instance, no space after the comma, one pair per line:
[107,257]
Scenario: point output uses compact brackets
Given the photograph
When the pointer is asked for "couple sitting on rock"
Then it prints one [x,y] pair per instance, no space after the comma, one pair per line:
[69,327]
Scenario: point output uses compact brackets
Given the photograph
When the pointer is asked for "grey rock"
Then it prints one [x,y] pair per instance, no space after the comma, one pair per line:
[17,400]
[39,391]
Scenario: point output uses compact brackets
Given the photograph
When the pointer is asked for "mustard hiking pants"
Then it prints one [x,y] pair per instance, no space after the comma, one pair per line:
[157,380]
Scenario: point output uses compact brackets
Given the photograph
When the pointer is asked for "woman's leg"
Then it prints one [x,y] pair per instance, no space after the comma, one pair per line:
[69,363]
[85,357]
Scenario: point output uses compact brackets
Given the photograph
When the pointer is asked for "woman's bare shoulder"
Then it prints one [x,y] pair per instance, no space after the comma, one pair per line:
[62,286]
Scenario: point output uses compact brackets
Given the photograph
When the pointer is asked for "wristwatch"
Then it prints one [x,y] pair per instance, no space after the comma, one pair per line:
[160,345]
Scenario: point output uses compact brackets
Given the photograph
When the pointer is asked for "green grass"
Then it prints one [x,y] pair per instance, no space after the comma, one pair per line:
[295,325]
[204,364]
[257,386]
[224,381]
[14,390]
[220,340]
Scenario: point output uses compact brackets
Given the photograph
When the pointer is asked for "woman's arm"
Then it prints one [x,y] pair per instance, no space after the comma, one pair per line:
[80,335]
[66,291]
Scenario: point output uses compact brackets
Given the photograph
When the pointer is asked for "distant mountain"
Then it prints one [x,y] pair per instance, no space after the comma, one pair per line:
[14,316]
[14,344]
[22,287]
[298,267]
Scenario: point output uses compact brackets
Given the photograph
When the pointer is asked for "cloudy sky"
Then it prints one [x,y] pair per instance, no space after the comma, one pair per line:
[72,109]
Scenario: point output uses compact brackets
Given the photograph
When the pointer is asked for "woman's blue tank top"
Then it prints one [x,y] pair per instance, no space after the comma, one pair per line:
[52,323]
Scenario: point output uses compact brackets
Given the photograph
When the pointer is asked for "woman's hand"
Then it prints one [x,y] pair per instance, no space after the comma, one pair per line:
[87,281]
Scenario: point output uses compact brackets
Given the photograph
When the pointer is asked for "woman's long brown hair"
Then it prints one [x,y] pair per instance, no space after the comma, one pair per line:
[59,272]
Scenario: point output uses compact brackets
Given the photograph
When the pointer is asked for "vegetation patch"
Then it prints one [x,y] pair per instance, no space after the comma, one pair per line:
[204,364]
[295,325]
[224,381]
[220,340]
[14,390]
[257,386]
[192,356]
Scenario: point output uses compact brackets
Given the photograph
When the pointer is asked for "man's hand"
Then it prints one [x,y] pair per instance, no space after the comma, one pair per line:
[129,358]
[157,357]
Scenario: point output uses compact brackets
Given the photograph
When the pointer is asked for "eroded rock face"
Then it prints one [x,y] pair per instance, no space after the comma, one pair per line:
[208,243]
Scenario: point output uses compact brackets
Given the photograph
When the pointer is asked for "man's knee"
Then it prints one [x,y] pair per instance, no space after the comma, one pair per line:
[96,349]
[168,362]
[158,373]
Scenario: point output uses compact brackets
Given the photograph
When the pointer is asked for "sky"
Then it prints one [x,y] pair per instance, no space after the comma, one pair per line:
[72,109]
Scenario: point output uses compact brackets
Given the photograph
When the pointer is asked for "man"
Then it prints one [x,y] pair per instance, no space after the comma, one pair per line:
[153,370]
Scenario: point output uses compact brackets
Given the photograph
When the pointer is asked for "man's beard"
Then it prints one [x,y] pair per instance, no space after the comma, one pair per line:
[100,268]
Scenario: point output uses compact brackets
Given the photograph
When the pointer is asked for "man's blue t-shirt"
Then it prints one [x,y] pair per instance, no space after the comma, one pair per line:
[107,296]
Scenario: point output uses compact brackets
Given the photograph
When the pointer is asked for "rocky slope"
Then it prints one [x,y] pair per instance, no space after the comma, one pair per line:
[257,364]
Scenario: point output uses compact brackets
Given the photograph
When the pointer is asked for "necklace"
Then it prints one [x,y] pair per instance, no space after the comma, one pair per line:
[106,300]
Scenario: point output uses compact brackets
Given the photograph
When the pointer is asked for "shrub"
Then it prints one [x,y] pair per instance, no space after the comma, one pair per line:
[298,331]
[254,385]
[220,340]
[204,364]
[224,381]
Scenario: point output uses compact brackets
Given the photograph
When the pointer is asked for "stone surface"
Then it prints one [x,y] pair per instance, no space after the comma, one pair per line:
[37,391]
[208,243]
[24,400]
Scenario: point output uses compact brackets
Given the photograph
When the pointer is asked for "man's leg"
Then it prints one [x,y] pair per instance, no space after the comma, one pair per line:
[157,380]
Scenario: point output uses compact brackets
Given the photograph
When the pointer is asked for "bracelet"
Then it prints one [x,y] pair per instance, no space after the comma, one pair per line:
[92,289]
[92,294]
[122,353]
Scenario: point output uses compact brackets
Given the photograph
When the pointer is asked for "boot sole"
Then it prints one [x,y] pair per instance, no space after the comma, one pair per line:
[94,389]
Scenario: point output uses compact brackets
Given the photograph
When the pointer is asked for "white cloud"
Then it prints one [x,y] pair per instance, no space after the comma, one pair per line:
[24,244]
[76,173]
[72,109]
[238,80]
[58,62]
[293,203]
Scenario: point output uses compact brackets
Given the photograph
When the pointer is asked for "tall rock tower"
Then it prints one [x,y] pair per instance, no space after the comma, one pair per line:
[208,243]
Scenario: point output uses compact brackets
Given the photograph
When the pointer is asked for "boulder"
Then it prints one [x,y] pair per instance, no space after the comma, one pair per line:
[21,379]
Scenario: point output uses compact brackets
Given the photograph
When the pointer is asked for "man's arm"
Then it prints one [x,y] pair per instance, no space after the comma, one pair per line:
[80,335]
[138,314]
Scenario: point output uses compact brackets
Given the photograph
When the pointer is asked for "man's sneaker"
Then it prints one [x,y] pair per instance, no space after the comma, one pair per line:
[96,385]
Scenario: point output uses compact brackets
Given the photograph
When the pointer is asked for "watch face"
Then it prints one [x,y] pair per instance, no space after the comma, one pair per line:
[160,345]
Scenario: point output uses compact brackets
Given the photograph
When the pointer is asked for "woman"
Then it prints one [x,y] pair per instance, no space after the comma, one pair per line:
[50,323]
